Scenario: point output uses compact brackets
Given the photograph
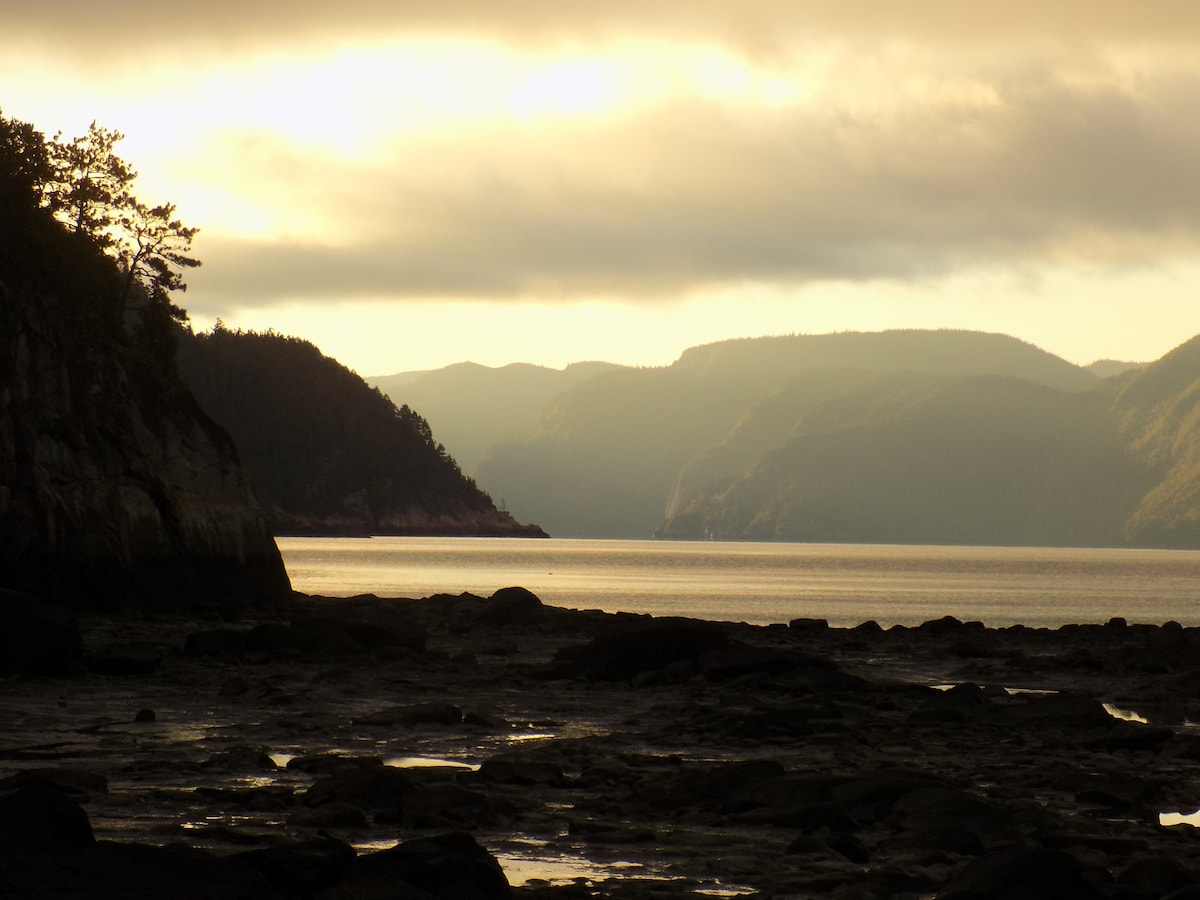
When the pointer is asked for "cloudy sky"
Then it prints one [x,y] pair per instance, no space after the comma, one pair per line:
[410,183]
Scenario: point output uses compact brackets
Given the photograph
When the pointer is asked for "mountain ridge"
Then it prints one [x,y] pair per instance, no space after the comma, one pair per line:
[670,450]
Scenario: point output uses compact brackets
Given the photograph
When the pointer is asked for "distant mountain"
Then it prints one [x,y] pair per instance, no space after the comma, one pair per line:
[1109,368]
[609,457]
[903,436]
[1159,412]
[923,459]
[472,407]
[328,453]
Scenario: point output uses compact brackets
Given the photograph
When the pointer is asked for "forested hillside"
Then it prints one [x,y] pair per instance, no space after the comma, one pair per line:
[923,459]
[329,453]
[1159,411]
[907,437]
[606,457]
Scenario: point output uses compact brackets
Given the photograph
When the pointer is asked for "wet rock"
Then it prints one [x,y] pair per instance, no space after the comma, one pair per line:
[609,833]
[806,626]
[511,606]
[37,638]
[267,797]
[329,763]
[123,661]
[1156,877]
[446,867]
[36,816]
[646,645]
[301,869]
[433,713]
[499,770]
[1021,873]
[953,821]
[370,788]
[75,783]
[215,642]
[335,814]
[130,872]
[441,806]
[241,759]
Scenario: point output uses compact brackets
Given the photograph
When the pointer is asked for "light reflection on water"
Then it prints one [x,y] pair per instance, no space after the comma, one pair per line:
[763,583]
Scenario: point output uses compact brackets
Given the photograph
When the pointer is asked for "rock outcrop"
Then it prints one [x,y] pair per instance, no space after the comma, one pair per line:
[115,488]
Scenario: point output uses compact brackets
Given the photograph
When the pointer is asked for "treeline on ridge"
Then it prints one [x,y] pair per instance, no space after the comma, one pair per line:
[328,453]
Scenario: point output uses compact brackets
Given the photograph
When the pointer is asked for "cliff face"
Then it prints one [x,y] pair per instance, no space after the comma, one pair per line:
[115,488]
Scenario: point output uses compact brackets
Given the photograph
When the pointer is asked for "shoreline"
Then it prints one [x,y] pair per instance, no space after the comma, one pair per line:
[647,756]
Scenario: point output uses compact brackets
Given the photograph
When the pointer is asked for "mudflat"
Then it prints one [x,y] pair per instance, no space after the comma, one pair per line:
[458,746]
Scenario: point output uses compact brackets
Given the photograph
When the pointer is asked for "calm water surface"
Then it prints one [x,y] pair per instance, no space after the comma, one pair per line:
[762,583]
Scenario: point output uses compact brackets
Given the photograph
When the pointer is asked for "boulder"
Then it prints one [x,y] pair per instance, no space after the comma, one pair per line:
[36,816]
[511,606]
[130,872]
[1021,873]
[645,646]
[500,770]
[303,868]
[37,638]
[432,713]
[445,867]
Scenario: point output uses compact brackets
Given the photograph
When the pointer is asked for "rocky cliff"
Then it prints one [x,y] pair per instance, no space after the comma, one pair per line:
[115,488]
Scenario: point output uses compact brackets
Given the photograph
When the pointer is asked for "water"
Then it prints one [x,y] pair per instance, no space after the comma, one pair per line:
[763,583]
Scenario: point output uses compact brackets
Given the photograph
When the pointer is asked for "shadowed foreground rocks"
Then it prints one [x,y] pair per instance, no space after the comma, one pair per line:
[463,747]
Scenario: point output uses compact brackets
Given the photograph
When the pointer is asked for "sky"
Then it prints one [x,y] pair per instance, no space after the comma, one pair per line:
[410,184]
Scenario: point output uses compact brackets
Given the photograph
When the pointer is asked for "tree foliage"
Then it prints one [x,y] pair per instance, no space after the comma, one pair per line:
[88,189]
[322,445]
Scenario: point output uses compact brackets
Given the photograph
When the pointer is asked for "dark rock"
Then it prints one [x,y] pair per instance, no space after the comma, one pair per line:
[952,820]
[1021,873]
[304,868]
[329,763]
[646,645]
[1156,876]
[335,814]
[123,661]
[511,606]
[145,716]
[37,816]
[807,626]
[499,770]
[241,759]
[420,714]
[217,642]
[37,638]
[447,867]
[608,833]
[948,626]
[75,783]
[440,806]
[272,797]
[116,489]
[130,872]
[371,788]
[735,659]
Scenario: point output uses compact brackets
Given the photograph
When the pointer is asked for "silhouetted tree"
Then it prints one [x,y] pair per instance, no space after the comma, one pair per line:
[89,188]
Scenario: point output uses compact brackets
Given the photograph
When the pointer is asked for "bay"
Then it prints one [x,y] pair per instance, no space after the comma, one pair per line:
[763,583]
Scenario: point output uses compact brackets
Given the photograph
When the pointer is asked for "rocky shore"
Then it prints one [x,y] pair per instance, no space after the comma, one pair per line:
[466,747]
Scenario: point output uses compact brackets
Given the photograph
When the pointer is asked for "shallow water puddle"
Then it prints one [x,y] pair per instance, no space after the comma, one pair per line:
[1125,715]
[1179,818]
[428,762]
